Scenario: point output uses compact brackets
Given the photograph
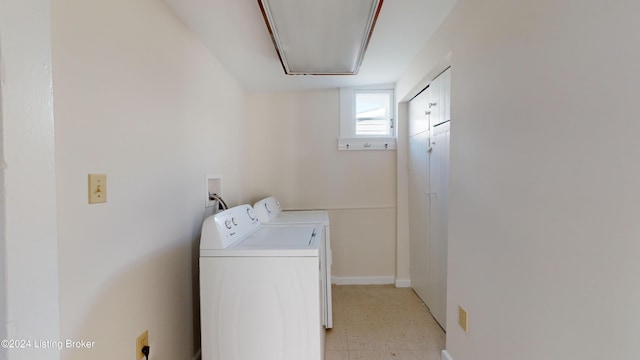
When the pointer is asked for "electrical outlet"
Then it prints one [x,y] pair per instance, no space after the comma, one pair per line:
[463,319]
[213,185]
[142,340]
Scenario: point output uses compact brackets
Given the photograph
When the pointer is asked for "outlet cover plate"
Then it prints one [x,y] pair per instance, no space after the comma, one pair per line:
[142,340]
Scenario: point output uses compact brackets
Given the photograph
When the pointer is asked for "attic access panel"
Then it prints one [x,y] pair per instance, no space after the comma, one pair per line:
[320,37]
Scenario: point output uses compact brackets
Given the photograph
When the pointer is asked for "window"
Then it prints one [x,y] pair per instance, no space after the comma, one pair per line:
[367,118]
[373,113]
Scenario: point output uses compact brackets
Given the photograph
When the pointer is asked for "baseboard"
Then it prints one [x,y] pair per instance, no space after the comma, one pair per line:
[403,283]
[363,280]
[446,356]
[197,356]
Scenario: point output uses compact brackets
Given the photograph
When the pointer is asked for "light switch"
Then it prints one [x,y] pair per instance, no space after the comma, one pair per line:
[463,319]
[97,188]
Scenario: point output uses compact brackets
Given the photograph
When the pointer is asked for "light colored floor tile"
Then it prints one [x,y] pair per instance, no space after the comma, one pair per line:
[371,336]
[336,355]
[394,355]
[374,294]
[380,322]
[338,315]
[420,337]
[336,338]
[387,313]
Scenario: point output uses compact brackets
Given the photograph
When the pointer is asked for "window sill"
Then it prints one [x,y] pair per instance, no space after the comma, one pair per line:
[387,143]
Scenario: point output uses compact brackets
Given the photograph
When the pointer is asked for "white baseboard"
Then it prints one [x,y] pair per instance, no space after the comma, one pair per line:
[197,356]
[363,280]
[403,283]
[446,356]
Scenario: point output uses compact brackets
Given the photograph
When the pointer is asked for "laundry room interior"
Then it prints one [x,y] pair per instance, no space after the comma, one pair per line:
[541,218]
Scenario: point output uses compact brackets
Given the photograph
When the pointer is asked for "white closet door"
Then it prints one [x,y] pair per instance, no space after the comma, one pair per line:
[419,213]
[446,83]
[438,231]
[437,101]
[429,194]
[419,113]
[419,117]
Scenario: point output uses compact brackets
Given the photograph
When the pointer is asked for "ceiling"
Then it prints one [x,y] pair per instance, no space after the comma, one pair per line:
[235,32]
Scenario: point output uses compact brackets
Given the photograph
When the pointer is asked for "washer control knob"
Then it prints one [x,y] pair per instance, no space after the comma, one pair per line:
[234,221]
[227,223]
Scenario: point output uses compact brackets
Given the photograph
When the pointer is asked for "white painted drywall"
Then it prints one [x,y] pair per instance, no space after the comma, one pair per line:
[29,255]
[544,210]
[3,254]
[403,263]
[292,139]
[139,98]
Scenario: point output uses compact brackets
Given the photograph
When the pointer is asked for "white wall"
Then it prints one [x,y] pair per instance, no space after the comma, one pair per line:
[403,263]
[3,242]
[292,139]
[139,98]
[544,224]
[29,273]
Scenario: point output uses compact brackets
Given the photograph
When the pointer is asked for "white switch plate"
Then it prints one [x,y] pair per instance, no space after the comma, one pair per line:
[97,188]
[463,319]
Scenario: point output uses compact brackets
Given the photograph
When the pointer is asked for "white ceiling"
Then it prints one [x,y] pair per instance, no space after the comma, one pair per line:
[236,34]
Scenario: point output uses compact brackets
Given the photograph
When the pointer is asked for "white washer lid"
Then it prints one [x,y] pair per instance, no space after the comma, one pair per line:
[293,237]
[274,241]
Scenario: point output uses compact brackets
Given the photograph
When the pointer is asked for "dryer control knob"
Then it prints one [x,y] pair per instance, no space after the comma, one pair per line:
[233,220]
[227,223]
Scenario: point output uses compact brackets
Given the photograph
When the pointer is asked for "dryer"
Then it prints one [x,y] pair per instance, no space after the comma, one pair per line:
[269,212]
[260,294]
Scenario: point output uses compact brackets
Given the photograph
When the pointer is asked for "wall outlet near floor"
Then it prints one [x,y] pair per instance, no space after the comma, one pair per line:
[463,320]
[142,340]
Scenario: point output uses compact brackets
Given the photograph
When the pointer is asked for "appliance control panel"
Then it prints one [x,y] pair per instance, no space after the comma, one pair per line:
[226,227]
[267,209]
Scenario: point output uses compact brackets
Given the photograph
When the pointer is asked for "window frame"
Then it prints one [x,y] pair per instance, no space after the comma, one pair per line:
[348,140]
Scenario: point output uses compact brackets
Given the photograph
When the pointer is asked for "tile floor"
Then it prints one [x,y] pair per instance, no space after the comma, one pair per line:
[381,322]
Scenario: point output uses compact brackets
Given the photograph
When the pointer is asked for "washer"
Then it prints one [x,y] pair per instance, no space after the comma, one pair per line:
[270,212]
[260,294]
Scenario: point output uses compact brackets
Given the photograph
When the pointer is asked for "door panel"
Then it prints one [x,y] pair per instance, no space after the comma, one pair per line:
[419,113]
[419,213]
[429,194]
